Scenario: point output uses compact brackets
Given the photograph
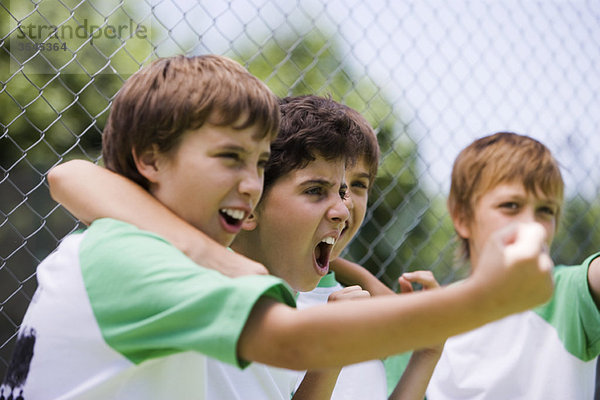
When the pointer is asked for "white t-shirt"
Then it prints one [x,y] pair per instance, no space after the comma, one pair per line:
[365,380]
[257,381]
[120,313]
[547,353]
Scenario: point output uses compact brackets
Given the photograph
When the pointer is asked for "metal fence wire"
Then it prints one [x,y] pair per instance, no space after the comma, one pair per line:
[429,75]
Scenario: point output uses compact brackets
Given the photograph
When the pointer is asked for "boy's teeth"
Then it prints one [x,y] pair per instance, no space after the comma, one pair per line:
[237,214]
[329,240]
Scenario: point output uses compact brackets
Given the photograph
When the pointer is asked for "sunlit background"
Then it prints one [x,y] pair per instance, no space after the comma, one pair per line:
[430,76]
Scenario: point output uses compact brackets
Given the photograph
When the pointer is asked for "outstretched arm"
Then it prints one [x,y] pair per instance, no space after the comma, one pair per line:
[594,280]
[513,274]
[349,273]
[90,192]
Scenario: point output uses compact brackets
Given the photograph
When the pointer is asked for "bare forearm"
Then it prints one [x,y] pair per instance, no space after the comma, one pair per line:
[90,192]
[317,384]
[413,383]
[350,273]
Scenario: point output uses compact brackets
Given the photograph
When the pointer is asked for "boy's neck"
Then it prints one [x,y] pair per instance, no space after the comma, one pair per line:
[244,245]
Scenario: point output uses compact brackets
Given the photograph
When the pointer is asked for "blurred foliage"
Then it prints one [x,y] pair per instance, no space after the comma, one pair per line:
[53,106]
[578,234]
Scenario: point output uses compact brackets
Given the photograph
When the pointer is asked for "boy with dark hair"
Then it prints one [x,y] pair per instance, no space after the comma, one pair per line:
[549,352]
[273,333]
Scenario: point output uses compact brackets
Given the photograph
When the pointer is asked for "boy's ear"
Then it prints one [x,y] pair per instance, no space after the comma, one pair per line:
[461,224]
[250,222]
[146,162]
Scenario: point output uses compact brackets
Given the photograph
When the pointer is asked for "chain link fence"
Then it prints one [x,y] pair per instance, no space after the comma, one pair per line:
[430,76]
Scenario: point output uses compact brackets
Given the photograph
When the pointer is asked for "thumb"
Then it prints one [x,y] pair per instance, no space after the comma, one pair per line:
[526,241]
[404,285]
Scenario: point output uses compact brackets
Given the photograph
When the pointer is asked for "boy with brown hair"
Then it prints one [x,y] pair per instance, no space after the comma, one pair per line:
[546,353]
[176,314]
[121,313]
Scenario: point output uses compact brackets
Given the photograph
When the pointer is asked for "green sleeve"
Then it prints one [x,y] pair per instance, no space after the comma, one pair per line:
[150,300]
[572,311]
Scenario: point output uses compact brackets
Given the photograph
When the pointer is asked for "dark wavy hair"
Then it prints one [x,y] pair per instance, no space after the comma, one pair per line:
[318,126]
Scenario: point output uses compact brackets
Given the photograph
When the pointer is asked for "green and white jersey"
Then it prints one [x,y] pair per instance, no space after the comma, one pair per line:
[119,313]
[258,381]
[365,380]
[547,353]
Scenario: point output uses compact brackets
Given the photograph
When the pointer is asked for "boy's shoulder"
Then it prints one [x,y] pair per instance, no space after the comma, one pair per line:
[574,273]
[117,236]
[572,311]
[118,247]
[572,286]
[110,226]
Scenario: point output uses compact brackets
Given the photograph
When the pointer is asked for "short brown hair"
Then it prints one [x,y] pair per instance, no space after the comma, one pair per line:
[503,157]
[313,125]
[159,103]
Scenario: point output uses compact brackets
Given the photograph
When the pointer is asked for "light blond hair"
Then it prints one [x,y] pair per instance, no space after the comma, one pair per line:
[503,157]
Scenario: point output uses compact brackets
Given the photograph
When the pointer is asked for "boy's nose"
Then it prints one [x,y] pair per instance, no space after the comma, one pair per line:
[252,185]
[339,212]
[527,215]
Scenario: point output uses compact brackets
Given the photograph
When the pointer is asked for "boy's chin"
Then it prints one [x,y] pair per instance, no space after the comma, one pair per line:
[307,286]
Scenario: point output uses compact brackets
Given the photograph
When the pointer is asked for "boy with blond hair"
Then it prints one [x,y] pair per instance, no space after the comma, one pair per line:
[550,351]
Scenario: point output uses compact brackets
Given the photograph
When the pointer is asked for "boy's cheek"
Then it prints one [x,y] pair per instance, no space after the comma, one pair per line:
[337,250]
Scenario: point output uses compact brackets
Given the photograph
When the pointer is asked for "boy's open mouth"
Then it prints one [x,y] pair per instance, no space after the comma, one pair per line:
[322,253]
[232,216]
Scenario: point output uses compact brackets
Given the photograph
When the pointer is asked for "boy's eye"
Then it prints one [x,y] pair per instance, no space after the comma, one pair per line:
[314,191]
[509,205]
[233,156]
[548,210]
[262,164]
[359,185]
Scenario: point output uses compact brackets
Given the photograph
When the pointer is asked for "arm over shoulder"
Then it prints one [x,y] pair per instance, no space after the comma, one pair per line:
[91,192]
